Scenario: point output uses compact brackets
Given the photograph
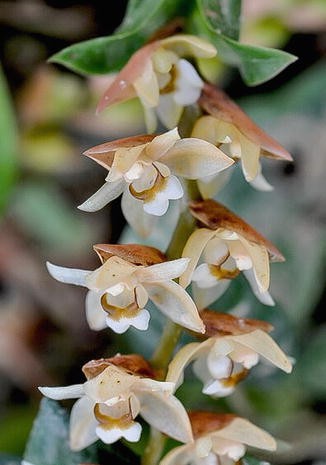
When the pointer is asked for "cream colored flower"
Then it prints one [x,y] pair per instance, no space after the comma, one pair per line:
[145,169]
[220,439]
[226,123]
[222,361]
[162,79]
[226,246]
[120,289]
[112,397]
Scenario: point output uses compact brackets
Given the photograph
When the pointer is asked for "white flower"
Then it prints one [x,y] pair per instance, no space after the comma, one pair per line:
[229,246]
[221,362]
[226,123]
[220,439]
[145,169]
[109,402]
[164,81]
[120,289]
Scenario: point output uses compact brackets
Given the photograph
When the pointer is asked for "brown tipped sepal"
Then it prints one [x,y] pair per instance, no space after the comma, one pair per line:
[214,215]
[224,324]
[132,253]
[217,104]
[134,364]
[207,422]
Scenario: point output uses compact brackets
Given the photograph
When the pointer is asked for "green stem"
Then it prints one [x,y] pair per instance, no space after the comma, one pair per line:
[171,334]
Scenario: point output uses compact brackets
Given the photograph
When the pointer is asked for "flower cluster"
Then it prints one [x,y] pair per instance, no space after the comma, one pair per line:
[211,246]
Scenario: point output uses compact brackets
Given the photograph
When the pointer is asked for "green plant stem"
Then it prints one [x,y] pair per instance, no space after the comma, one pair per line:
[171,334]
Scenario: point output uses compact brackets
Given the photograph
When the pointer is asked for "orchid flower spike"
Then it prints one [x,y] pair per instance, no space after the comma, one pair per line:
[117,390]
[220,439]
[130,275]
[226,123]
[233,346]
[145,169]
[162,79]
[226,245]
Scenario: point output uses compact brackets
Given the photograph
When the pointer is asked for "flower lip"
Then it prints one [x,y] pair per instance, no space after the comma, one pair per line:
[133,363]
[136,254]
[216,103]
[203,422]
[215,215]
[222,324]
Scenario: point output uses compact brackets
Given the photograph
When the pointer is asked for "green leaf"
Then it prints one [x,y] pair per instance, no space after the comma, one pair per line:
[107,54]
[48,442]
[8,144]
[223,16]
[249,460]
[256,64]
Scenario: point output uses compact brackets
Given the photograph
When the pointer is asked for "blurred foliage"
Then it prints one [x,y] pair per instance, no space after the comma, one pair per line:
[219,25]
[48,442]
[8,144]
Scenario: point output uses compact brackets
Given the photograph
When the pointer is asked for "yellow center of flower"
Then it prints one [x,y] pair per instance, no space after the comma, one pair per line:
[234,379]
[149,194]
[108,422]
[170,86]
[115,312]
[221,273]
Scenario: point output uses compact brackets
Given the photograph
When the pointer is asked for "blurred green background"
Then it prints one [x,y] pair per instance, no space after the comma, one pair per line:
[47,119]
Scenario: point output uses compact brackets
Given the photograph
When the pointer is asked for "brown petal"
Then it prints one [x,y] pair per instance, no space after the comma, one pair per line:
[133,363]
[122,87]
[207,422]
[215,215]
[216,103]
[103,154]
[132,253]
[221,324]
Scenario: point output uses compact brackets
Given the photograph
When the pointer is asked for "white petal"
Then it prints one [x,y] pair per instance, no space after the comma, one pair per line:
[194,158]
[118,326]
[173,188]
[203,277]
[141,294]
[111,435]
[216,251]
[205,297]
[168,111]
[117,289]
[135,215]
[161,144]
[242,431]
[260,262]
[183,357]
[216,388]
[228,449]
[264,297]
[158,206]
[263,344]
[188,84]
[219,366]
[193,249]
[211,459]
[150,119]
[163,271]
[96,316]
[108,192]
[68,275]
[65,392]
[165,413]
[146,86]
[260,183]
[175,303]
[82,424]
[240,255]
[110,384]
[250,152]
[141,320]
